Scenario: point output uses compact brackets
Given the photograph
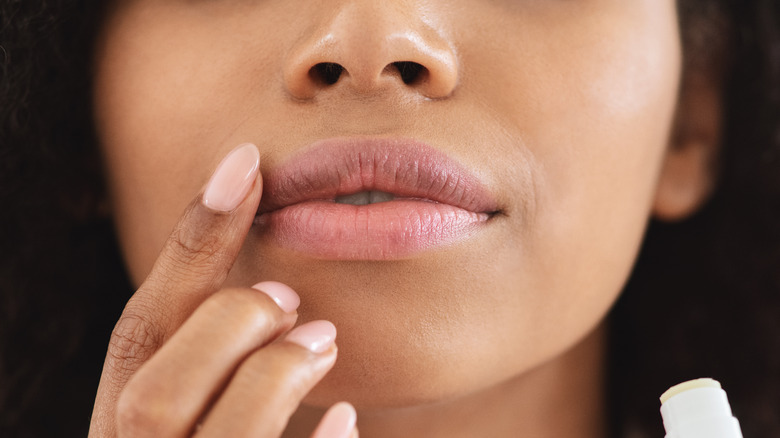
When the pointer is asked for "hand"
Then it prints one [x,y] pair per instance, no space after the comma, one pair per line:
[188,357]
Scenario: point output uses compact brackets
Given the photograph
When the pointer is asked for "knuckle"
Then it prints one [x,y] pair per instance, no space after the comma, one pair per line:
[248,308]
[194,248]
[132,342]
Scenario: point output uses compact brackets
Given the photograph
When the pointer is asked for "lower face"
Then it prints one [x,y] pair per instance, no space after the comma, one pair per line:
[560,109]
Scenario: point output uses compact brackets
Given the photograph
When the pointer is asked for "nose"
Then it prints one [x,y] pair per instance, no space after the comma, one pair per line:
[370,46]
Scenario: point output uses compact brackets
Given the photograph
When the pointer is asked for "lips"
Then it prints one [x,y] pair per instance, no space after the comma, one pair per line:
[427,200]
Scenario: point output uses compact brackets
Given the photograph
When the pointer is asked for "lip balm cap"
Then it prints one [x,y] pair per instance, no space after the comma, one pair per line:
[698,409]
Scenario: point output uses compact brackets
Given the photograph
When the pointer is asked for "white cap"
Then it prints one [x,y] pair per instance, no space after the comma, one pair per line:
[698,409]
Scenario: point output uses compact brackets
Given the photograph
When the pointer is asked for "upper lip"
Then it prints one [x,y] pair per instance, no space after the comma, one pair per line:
[404,167]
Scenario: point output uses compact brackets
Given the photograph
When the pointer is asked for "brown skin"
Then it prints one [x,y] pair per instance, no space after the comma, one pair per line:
[565,109]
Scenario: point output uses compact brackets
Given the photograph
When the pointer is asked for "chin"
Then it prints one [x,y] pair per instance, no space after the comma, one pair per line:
[377,374]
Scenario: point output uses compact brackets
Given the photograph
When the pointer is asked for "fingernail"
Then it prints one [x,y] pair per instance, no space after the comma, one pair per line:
[233,178]
[338,422]
[283,295]
[317,336]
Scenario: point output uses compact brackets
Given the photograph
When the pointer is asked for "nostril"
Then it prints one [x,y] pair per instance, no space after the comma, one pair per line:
[327,72]
[410,71]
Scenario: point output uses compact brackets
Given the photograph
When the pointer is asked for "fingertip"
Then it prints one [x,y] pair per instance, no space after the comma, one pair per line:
[233,178]
[338,422]
[284,296]
[315,336]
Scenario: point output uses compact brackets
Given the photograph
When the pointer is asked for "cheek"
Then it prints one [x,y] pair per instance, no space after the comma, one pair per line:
[599,173]
[168,97]
[589,101]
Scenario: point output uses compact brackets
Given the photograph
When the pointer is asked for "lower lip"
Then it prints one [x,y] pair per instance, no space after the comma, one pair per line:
[383,231]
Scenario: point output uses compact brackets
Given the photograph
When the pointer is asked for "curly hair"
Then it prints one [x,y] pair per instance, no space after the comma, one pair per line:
[59,255]
[704,298]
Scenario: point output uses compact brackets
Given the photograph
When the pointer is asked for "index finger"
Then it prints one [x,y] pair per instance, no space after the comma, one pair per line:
[202,247]
[192,265]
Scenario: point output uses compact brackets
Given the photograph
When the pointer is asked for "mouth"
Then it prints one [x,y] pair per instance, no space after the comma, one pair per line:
[371,199]
[365,197]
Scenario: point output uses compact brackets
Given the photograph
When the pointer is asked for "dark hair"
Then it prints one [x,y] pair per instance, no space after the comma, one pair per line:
[704,299]
[61,279]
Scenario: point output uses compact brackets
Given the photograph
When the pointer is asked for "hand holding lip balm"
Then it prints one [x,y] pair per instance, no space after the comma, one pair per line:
[698,409]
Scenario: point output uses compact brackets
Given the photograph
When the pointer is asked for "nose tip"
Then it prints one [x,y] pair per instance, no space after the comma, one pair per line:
[369,51]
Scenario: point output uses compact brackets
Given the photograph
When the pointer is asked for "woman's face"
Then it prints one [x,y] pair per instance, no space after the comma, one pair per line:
[561,110]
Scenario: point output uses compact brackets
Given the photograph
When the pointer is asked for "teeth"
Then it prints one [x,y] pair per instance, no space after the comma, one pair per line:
[377,196]
[360,198]
[365,197]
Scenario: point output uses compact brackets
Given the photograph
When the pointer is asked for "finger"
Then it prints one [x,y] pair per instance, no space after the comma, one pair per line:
[201,249]
[171,391]
[338,422]
[270,383]
[193,263]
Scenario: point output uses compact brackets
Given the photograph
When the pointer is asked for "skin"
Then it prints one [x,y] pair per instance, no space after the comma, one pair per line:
[564,109]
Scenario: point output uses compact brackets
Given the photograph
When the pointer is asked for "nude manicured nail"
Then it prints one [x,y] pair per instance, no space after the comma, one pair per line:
[283,295]
[317,336]
[338,422]
[233,178]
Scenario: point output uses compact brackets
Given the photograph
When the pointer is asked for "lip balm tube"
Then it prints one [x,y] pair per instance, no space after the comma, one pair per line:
[698,409]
